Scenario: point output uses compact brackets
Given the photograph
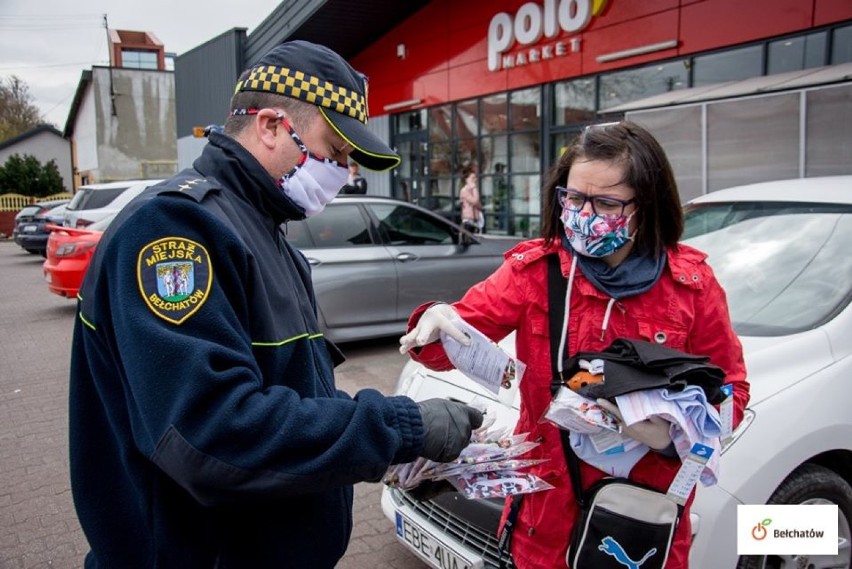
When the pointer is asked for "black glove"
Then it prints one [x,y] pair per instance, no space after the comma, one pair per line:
[447,426]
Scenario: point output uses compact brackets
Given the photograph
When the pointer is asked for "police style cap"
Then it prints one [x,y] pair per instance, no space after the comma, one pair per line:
[315,74]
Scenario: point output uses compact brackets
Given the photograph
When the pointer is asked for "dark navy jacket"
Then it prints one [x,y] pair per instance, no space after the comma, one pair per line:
[205,427]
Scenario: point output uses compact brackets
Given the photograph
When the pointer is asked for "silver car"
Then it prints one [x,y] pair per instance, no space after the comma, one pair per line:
[376,259]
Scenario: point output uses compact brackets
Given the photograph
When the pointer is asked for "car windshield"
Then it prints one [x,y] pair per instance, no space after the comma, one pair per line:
[785,267]
[90,198]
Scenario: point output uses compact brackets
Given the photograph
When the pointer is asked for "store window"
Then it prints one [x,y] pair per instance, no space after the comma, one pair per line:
[841,45]
[574,102]
[410,122]
[495,113]
[634,84]
[794,54]
[727,65]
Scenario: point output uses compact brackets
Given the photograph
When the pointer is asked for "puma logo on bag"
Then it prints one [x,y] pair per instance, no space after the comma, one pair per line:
[612,547]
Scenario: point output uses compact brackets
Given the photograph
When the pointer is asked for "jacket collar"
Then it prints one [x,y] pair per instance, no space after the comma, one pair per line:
[230,163]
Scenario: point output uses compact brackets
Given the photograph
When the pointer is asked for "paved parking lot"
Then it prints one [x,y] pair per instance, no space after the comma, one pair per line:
[38,526]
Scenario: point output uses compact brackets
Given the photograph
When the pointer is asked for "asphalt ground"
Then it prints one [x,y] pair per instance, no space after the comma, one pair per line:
[38,524]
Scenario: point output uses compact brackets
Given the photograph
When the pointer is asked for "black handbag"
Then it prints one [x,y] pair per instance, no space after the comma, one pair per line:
[621,523]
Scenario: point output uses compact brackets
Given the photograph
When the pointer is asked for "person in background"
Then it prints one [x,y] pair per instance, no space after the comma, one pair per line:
[612,216]
[206,430]
[471,206]
[356,184]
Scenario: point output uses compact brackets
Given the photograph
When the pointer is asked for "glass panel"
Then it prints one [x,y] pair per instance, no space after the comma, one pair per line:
[466,154]
[574,102]
[635,84]
[559,144]
[794,54]
[495,199]
[777,281]
[404,225]
[296,232]
[411,122]
[526,204]
[727,66]
[752,140]
[526,109]
[526,152]
[339,226]
[440,159]
[440,125]
[467,119]
[494,150]
[841,45]
[828,149]
[678,130]
[495,114]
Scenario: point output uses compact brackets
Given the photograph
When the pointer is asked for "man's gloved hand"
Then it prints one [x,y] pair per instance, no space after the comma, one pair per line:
[434,319]
[653,431]
[447,426]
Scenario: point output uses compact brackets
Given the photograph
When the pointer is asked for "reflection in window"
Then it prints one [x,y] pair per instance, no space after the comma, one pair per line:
[494,150]
[777,281]
[339,226]
[440,123]
[495,114]
[526,151]
[574,102]
[841,45]
[402,225]
[440,159]
[728,66]
[525,109]
[467,119]
[634,84]
[411,122]
[794,54]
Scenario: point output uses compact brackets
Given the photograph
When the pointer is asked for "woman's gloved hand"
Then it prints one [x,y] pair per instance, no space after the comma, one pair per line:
[447,427]
[653,431]
[435,319]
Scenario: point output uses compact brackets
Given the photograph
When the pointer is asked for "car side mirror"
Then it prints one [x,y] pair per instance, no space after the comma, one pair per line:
[466,239]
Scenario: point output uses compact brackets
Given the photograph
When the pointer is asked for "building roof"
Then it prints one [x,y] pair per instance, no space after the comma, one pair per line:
[752,86]
[29,134]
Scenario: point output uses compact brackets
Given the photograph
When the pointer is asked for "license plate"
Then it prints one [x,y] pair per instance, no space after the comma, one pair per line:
[430,549]
[29,228]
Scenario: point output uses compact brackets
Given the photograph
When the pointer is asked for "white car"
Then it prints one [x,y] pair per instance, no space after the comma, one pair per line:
[782,251]
[95,202]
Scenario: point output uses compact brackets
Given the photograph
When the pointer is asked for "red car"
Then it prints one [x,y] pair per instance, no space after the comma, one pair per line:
[69,251]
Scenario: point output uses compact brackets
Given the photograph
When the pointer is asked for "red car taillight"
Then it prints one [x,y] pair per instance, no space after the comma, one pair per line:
[74,249]
[82,223]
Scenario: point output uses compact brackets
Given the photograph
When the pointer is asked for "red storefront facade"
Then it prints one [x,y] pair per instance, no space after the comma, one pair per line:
[501,86]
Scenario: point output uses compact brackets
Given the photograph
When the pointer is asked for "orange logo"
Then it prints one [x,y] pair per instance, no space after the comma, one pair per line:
[759,532]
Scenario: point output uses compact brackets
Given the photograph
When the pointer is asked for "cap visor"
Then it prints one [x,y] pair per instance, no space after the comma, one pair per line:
[368,150]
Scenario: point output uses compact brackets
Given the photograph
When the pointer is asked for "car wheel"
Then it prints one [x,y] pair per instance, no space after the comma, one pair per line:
[811,484]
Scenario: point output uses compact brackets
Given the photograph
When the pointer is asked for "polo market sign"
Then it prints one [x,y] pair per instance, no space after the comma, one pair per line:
[532,21]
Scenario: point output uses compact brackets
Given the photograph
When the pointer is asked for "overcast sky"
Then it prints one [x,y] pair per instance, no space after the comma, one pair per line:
[48,43]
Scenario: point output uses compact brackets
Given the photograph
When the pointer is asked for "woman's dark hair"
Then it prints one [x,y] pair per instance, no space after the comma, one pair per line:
[646,170]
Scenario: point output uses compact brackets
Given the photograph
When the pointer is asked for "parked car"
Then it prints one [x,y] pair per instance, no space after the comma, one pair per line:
[33,235]
[69,251]
[96,201]
[28,221]
[780,249]
[375,259]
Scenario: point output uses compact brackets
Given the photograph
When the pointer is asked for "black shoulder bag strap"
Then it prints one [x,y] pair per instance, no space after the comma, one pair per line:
[557,286]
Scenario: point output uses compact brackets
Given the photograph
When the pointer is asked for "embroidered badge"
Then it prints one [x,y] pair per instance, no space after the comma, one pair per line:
[174,277]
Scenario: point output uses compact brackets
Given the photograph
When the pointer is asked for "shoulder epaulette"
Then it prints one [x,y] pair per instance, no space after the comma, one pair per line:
[189,183]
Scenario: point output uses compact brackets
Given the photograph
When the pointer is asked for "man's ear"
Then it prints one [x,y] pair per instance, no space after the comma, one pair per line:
[267,127]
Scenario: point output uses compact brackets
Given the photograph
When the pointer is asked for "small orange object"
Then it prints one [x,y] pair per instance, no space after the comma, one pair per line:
[583,378]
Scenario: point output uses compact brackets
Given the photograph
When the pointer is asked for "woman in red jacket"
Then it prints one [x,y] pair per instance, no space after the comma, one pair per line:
[612,213]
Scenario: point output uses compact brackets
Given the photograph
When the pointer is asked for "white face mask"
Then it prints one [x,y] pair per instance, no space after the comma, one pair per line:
[314,181]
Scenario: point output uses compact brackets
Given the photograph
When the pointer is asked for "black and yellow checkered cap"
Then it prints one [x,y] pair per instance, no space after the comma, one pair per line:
[315,74]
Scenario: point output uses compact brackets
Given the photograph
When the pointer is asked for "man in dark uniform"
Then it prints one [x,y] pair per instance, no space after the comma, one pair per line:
[205,426]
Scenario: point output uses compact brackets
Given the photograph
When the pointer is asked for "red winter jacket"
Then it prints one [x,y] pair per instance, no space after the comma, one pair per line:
[687,304]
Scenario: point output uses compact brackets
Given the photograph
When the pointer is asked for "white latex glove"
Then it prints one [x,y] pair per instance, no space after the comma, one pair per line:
[435,319]
[652,432]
